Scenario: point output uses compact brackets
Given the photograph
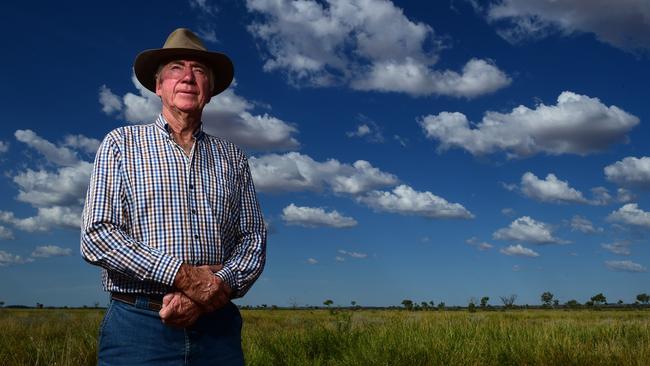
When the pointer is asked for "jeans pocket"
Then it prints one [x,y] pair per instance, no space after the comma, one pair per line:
[107,316]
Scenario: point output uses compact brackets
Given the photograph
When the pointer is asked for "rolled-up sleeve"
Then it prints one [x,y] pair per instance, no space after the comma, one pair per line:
[245,265]
[104,235]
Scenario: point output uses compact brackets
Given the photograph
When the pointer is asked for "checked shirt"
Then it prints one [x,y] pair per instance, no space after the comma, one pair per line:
[151,207]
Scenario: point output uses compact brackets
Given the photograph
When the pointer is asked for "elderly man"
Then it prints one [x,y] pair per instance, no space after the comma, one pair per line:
[172,217]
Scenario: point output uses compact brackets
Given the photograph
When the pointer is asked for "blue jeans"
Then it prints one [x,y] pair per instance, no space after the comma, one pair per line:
[134,335]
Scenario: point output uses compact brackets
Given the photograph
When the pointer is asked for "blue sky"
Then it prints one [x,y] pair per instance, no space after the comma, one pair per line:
[436,151]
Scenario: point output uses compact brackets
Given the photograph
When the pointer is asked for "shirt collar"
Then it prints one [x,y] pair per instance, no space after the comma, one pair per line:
[162,124]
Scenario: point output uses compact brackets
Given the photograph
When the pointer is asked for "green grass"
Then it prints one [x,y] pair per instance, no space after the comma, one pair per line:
[368,337]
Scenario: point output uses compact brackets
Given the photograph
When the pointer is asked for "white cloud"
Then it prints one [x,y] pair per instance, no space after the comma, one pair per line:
[315,216]
[6,234]
[630,214]
[617,248]
[507,211]
[625,266]
[477,78]
[65,186]
[110,102]
[357,255]
[519,250]
[46,218]
[338,258]
[528,230]
[4,147]
[624,196]
[550,189]
[8,259]
[228,115]
[581,224]
[367,130]
[630,172]
[84,143]
[204,7]
[297,172]
[623,24]
[366,44]
[577,124]
[311,261]
[473,241]
[405,200]
[57,155]
[51,251]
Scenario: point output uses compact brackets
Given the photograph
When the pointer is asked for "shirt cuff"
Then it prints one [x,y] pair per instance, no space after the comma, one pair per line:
[165,269]
[229,277]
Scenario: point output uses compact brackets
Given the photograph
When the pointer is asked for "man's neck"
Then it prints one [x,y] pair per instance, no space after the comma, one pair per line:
[182,127]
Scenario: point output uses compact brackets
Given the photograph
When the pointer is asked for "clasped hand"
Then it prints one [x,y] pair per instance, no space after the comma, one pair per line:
[199,291]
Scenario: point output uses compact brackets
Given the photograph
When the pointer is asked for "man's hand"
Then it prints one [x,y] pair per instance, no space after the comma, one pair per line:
[202,286]
[179,310]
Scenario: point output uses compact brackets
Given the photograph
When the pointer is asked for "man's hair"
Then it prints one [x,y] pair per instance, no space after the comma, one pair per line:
[165,63]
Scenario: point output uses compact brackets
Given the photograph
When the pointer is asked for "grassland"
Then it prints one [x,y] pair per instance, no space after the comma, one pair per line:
[368,337]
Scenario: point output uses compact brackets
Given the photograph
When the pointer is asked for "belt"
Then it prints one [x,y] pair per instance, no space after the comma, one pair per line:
[153,302]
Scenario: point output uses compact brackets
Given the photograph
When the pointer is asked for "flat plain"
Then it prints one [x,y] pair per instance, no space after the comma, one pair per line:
[368,337]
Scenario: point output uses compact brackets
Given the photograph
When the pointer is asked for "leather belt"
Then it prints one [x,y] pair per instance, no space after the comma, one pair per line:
[154,302]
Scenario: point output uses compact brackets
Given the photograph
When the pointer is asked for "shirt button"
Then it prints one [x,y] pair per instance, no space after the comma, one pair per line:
[194,211]
[196,236]
[191,186]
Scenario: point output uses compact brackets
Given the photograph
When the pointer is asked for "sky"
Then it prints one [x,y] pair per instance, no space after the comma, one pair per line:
[433,151]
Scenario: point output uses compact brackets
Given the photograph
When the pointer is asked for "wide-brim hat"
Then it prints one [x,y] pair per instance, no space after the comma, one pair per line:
[183,44]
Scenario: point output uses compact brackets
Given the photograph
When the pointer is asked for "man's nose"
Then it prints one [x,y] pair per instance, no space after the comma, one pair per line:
[188,75]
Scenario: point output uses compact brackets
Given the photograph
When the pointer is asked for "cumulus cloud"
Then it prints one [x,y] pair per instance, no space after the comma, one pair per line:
[624,24]
[228,115]
[311,261]
[581,224]
[6,233]
[65,186]
[617,248]
[630,214]
[110,102]
[56,194]
[365,44]
[51,251]
[404,200]
[630,172]
[293,172]
[480,245]
[80,142]
[550,189]
[519,250]
[4,147]
[367,130]
[45,219]
[577,124]
[357,255]
[526,229]
[58,155]
[625,266]
[315,216]
[7,259]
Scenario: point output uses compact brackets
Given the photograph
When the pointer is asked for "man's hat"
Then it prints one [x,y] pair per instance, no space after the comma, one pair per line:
[181,44]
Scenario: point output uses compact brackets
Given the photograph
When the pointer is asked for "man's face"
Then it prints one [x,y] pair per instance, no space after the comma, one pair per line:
[184,85]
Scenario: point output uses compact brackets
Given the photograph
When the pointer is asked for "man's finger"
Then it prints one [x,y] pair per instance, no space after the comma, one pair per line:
[215,267]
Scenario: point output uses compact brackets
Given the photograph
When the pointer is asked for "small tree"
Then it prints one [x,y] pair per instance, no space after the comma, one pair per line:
[408,304]
[547,299]
[643,298]
[424,305]
[484,301]
[572,304]
[328,302]
[441,305]
[599,299]
[508,301]
[2,303]
[471,306]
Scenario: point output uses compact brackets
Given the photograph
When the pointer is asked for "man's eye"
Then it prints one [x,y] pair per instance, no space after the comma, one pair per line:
[199,70]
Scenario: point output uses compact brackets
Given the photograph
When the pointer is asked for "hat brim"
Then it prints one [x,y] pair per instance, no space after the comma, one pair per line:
[147,62]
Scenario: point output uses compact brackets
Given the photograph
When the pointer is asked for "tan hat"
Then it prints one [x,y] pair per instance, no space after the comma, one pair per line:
[182,43]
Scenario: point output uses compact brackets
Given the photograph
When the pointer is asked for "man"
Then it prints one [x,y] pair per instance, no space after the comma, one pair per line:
[172,217]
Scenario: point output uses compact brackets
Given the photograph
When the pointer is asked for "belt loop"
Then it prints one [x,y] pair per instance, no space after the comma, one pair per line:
[141,302]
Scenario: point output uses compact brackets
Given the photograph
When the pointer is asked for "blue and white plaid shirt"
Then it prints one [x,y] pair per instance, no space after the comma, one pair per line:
[151,207]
